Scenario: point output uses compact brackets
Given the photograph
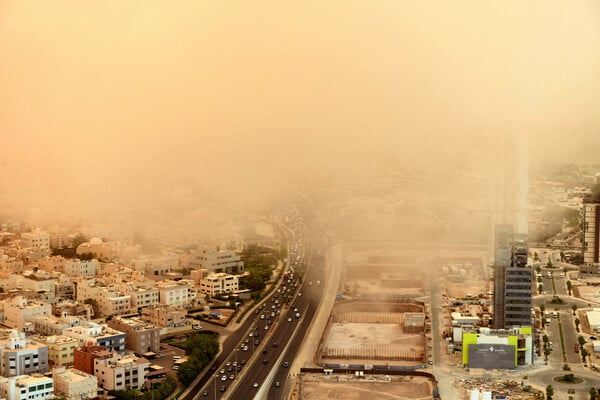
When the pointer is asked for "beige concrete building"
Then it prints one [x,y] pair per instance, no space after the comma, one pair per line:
[36,239]
[61,349]
[20,312]
[156,264]
[121,372]
[145,295]
[165,316]
[214,284]
[74,384]
[141,337]
[53,325]
[80,267]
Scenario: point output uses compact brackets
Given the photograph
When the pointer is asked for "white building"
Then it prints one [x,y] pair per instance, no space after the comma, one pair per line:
[214,284]
[19,312]
[121,372]
[216,260]
[80,267]
[175,294]
[74,384]
[594,319]
[25,387]
[98,334]
[38,239]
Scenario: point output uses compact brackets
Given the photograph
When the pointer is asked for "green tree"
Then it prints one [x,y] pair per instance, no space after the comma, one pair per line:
[540,288]
[581,340]
[549,392]
[549,264]
[574,307]
[584,354]
[542,308]
[538,269]
[577,322]
[547,352]
[545,339]
[569,287]
[593,393]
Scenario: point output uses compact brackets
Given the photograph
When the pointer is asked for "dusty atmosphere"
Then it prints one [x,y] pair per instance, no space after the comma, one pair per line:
[149,114]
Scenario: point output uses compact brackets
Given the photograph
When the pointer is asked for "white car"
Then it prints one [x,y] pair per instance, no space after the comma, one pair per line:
[255,385]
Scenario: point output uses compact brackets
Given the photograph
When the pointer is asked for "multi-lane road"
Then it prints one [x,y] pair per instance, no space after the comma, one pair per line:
[255,359]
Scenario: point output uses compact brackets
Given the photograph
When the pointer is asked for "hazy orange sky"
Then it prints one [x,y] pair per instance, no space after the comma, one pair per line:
[111,93]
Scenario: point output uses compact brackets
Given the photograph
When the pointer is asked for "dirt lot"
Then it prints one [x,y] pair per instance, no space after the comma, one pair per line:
[349,387]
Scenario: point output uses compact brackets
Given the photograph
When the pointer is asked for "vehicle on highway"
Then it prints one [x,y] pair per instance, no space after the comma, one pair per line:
[223,378]
[289,320]
[274,344]
[222,389]
[255,385]
[232,376]
[266,327]
[265,361]
[297,315]
[205,393]
[286,364]
[277,384]
[222,371]
[243,362]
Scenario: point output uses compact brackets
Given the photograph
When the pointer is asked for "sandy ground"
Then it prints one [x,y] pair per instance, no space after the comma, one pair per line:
[355,335]
[320,387]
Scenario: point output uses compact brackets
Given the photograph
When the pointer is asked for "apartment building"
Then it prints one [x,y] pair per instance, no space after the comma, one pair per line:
[61,349]
[141,336]
[121,372]
[74,384]
[37,238]
[78,267]
[107,297]
[165,316]
[214,284]
[175,294]
[215,260]
[26,387]
[20,312]
[86,355]
[156,264]
[141,296]
[98,334]
[53,325]
[19,356]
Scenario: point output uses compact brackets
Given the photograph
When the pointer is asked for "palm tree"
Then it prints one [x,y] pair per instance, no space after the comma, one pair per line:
[549,392]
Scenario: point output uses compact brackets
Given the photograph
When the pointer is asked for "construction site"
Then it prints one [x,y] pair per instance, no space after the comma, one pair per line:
[318,386]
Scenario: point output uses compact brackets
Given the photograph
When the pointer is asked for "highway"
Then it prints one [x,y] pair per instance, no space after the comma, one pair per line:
[253,357]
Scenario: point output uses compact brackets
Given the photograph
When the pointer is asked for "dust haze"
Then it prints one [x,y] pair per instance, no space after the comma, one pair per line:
[183,116]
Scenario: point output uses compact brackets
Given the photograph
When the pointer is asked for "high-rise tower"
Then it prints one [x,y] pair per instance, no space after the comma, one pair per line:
[512,276]
[591,229]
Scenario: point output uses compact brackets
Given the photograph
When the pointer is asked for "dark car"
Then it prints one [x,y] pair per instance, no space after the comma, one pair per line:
[265,361]
[222,389]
